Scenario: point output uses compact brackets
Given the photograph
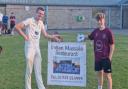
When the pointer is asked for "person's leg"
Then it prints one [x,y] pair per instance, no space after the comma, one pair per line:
[98,69]
[100,79]
[37,70]
[107,72]
[0,27]
[6,29]
[12,28]
[0,30]
[12,32]
[109,79]
[29,54]
[3,28]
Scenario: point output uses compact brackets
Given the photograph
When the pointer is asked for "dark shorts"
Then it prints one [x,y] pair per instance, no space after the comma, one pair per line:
[12,26]
[103,64]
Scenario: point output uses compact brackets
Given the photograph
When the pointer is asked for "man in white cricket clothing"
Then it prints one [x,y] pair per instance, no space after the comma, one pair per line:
[34,27]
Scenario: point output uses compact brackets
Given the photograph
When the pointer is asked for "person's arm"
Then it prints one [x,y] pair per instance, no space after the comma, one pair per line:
[112,44]
[112,47]
[90,36]
[46,35]
[86,37]
[19,28]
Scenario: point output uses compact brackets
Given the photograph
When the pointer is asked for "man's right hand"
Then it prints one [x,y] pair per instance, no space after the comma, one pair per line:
[57,38]
[26,38]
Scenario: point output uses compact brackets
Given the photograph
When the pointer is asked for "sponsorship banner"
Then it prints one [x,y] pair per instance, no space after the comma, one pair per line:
[66,64]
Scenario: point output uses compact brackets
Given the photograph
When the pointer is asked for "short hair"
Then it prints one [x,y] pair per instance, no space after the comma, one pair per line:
[39,8]
[100,16]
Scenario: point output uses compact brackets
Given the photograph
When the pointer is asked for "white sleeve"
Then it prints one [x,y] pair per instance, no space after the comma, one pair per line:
[26,22]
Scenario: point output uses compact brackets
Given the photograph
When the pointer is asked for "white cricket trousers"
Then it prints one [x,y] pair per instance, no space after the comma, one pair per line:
[33,58]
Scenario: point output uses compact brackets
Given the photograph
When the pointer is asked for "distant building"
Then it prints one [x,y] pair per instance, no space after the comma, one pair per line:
[63,14]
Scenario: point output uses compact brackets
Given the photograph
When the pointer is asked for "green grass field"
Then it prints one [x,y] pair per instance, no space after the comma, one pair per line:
[12,63]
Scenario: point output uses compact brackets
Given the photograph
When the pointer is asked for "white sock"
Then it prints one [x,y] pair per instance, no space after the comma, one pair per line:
[99,87]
